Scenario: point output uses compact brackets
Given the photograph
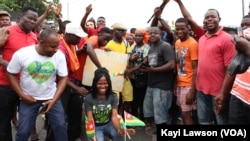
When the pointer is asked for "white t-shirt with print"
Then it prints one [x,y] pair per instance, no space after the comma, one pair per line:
[38,73]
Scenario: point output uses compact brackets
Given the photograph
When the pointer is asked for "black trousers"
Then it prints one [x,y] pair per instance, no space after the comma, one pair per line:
[138,98]
[8,102]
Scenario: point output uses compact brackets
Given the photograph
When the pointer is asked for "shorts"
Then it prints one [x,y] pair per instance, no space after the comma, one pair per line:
[181,93]
[157,103]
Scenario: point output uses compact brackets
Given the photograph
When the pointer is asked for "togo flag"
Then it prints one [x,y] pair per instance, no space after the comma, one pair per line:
[131,120]
[90,127]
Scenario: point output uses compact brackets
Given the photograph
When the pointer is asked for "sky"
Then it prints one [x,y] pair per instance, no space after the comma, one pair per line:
[136,13]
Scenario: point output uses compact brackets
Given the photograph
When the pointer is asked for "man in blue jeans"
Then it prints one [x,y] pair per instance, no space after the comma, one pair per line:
[160,67]
[40,66]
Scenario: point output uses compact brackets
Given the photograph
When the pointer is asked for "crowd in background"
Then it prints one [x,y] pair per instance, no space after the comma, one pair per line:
[192,73]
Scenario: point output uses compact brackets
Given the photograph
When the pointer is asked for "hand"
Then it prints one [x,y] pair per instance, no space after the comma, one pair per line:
[48,104]
[146,68]
[123,132]
[131,131]
[190,98]
[48,9]
[82,91]
[93,139]
[157,12]
[89,9]
[4,34]
[241,43]
[127,73]
[58,10]
[28,99]
[219,103]
[134,56]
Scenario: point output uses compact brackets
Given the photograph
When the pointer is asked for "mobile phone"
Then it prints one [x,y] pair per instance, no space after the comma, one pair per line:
[43,109]
[144,65]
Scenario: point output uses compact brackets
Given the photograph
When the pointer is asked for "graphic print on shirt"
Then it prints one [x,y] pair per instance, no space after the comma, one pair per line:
[181,57]
[152,59]
[102,113]
[41,72]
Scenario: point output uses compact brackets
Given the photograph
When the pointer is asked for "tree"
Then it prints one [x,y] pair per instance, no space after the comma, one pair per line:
[14,7]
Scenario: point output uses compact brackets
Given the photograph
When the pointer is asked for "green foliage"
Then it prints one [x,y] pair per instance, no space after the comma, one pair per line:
[15,6]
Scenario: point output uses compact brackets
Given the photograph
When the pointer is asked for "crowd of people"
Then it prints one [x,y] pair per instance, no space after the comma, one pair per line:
[190,72]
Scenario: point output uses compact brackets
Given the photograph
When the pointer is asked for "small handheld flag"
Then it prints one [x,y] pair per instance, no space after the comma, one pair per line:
[131,120]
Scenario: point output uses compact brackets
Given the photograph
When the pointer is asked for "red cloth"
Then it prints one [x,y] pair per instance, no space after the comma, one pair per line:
[215,53]
[17,39]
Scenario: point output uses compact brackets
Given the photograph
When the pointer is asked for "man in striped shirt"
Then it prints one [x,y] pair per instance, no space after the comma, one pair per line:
[237,85]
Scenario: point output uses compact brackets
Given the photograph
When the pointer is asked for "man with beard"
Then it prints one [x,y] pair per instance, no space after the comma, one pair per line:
[17,36]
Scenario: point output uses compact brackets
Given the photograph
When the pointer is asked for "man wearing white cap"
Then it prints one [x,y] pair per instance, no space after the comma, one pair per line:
[71,97]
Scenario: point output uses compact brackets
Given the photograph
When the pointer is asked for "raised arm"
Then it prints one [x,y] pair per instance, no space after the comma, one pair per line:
[84,18]
[157,13]
[57,12]
[164,25]
[44,15]
[194,26]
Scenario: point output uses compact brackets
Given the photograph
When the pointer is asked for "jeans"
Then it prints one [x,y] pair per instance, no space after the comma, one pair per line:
[72,105]
[8,102]
[27,120]
[107,130]
[206,110]
[156,104]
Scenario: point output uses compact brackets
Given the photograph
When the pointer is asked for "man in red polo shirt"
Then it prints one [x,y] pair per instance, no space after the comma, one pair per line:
[216,50]
[20,35]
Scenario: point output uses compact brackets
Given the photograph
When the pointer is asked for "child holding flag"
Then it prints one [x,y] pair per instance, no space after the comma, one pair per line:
[101,110]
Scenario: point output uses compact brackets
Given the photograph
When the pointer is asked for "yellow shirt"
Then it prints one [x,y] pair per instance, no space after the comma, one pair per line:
[118,47]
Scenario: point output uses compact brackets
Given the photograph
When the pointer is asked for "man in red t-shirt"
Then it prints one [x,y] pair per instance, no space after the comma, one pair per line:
[20,35]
